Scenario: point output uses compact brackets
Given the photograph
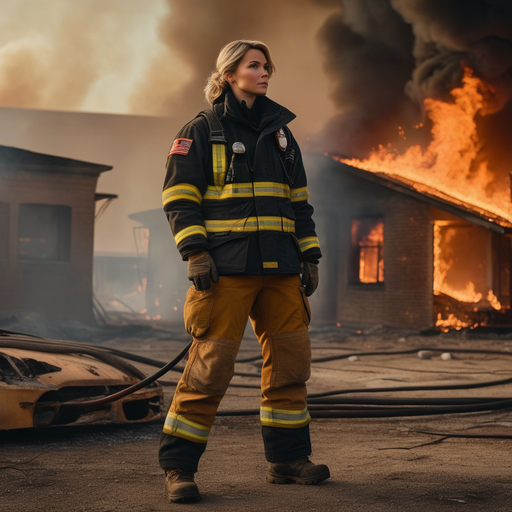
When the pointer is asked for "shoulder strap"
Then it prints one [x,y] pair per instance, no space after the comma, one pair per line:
[216,131]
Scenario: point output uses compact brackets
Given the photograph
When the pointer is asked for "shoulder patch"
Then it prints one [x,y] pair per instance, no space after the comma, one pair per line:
[180,147]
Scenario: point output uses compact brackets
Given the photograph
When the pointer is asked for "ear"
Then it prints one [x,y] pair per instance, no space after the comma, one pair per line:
[228,76]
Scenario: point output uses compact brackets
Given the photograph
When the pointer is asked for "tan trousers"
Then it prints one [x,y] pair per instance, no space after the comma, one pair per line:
[279,312]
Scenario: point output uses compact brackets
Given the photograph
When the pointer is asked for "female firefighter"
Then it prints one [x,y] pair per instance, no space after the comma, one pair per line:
[236,199]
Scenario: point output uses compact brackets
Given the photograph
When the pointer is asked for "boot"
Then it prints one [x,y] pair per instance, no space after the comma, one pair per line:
[180,486]
[300,471]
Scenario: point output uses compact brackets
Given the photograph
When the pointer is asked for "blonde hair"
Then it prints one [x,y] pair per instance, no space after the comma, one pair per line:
[228,60]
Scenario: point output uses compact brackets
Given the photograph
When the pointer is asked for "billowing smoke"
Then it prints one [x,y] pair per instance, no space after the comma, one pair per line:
[361,68]
[194,32]
[386,56]
[450,35]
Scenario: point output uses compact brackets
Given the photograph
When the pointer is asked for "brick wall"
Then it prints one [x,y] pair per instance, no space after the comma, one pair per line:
[405,299]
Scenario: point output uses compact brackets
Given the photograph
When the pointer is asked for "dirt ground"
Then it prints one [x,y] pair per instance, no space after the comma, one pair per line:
[377,464]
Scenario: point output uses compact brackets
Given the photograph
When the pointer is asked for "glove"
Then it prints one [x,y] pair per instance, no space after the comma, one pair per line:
[202,270]
[309,277]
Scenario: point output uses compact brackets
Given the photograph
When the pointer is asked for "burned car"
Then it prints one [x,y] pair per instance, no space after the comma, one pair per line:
[42,383]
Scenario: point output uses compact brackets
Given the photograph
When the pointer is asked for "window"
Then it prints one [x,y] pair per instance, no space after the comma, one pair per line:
[44,232]
[367,245]
[4,230]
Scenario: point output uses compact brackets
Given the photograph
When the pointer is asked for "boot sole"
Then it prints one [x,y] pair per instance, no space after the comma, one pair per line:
[272,478]
[182,498]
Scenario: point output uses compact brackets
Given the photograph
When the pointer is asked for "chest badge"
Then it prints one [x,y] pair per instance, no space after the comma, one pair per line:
[282,141]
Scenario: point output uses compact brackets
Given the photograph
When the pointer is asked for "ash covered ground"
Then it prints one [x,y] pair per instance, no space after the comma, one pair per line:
[425,463]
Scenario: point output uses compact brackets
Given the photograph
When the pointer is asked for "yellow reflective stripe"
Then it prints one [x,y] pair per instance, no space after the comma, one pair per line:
[229,191]
[190,231]
[283,418]
[259,189]
[183,191]
[176,425]
[251,224]
[270,264]
[308,243]
[272,189]
[219,164]
[299,194]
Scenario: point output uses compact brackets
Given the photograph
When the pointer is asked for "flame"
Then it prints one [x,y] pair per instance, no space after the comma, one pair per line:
[452,322]
[493,300]
[368,236]
[448,164]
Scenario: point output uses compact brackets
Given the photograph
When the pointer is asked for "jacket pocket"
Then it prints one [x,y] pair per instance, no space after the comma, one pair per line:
[197,311]
[229,252]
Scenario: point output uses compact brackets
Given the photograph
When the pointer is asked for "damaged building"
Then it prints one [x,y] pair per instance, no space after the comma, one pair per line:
[399,254]
[47,209]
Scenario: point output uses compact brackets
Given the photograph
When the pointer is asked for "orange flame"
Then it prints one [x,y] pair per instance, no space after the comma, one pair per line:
[448,163]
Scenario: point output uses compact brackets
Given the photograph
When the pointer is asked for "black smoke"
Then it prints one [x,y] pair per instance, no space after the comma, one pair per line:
[387,56]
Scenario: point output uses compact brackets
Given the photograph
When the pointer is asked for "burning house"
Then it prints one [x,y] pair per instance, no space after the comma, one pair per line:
[406,258]
[47,208]
[430,245]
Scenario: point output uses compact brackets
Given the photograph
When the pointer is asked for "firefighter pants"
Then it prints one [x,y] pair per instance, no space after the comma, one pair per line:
[216,318]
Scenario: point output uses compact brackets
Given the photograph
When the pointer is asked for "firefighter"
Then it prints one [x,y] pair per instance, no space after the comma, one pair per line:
[236,198]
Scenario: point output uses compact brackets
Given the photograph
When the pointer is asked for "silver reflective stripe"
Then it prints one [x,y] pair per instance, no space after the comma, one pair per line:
[282,417]
[176,425]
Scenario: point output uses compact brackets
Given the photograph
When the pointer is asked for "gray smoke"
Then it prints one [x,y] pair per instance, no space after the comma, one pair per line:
[194,32]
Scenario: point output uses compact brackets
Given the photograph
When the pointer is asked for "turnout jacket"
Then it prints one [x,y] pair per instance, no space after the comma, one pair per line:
[248,209]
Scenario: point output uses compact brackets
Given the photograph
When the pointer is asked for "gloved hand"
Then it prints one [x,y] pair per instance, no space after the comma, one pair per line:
[309,277]
[202,270]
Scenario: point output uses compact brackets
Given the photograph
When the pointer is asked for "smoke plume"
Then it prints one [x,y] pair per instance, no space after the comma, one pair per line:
[194,32]
[387,56]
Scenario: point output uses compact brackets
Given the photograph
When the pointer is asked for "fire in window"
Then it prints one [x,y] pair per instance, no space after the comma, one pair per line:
[367,243]
[44,232]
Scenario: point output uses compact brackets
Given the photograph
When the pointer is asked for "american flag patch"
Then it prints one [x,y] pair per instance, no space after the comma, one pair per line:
[180,147]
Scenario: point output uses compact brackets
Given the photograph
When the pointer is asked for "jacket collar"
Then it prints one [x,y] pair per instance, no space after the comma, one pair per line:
[268,113]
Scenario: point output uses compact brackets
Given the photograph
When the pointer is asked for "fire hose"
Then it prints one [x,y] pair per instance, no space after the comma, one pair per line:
[318,404]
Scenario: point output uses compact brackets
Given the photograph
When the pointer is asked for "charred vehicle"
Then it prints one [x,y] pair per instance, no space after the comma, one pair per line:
[42,383]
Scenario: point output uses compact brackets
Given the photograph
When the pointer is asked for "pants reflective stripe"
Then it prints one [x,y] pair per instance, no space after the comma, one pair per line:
[179,426]
[251,224]
[190,231]
[271,417]
[308,242]
[299,194]
[183,191]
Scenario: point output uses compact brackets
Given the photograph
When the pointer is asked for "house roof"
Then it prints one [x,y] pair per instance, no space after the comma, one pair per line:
[16,159]
[465,210]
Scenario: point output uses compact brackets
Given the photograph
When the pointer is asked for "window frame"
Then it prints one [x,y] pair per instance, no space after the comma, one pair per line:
[354,278]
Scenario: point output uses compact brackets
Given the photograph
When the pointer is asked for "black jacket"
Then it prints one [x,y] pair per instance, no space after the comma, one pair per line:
[247,209]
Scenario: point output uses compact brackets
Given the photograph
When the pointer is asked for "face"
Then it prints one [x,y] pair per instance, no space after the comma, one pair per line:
[251,76]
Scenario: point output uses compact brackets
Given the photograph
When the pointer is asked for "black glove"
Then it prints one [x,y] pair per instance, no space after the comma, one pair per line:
[309,277]
[201,269]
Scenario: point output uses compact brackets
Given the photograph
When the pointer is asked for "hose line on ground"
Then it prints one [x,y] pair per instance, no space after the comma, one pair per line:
[317,403]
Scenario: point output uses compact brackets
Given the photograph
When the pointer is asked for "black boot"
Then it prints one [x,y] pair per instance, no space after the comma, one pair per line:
[300,471]
[180,486]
